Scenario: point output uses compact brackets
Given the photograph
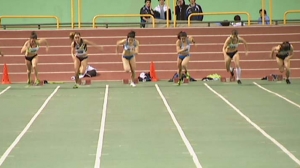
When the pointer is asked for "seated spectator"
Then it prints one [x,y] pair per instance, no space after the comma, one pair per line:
[237,21]
[146,9]
[266,19]
[224,23]
[194,8]
[162,10]
[180,10]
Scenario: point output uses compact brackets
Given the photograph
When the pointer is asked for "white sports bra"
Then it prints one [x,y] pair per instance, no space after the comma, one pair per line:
[233,46]
[188,46]
[128,47]
[34,50]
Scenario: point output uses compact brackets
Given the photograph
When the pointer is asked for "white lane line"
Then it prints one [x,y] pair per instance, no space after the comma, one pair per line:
[143,70]
[164,45]
[102,126]
[10,148]
[144,62]
[161,36]
[256,126]
[274,93]
[184,138]
[157,54]
[3,91]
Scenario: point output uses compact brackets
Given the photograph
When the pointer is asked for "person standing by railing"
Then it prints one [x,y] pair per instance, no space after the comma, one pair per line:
[162,10]
[146,9]
[180,10]
[194,8]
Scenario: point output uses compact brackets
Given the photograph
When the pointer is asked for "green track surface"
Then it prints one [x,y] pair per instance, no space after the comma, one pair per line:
[139,131]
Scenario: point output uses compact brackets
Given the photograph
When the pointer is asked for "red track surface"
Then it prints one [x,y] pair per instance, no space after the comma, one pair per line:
[157,45]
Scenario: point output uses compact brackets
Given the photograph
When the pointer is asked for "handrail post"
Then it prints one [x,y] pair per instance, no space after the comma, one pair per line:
[174,10]
[79,13]
[263,6]
[271,11]
[72,14]
[168,5]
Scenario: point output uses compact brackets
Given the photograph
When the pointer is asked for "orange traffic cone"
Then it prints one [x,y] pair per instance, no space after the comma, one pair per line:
[153,72]
[5,76]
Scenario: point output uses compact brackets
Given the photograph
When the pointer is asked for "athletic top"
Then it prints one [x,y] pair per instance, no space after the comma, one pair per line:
[128,47]
[283,52]
[188,46]
[233,46]
[81,48]
[34,50]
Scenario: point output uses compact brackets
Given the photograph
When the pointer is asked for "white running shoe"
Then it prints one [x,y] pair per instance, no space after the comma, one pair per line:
[132,84]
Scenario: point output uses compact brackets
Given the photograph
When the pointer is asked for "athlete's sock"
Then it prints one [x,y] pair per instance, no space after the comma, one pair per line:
[238,73]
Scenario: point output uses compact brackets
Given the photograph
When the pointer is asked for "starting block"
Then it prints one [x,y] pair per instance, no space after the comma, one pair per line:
[85,81]
[33,83]
[279,78]
[127,81]
[223,79]
[175,80]
[275,78]
[231,79]
[270,78]
[185,80]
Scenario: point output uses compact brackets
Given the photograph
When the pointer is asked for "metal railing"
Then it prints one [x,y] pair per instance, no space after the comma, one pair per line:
[263,7]
[79,14]
[271,11]
[31,17]
[288,12]
[219,13]
[124,15]
[168,13]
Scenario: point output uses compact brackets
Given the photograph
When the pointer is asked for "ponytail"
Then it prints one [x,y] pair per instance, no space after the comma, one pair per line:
[181,34]
[285,46]
[71,35]
[33,35]
[131,34]
[235,33]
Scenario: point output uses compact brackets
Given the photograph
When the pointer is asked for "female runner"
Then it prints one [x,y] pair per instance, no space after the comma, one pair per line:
[80,54]
[130,51]
[230,51]
[30,49]
[183,46]
[284,53]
